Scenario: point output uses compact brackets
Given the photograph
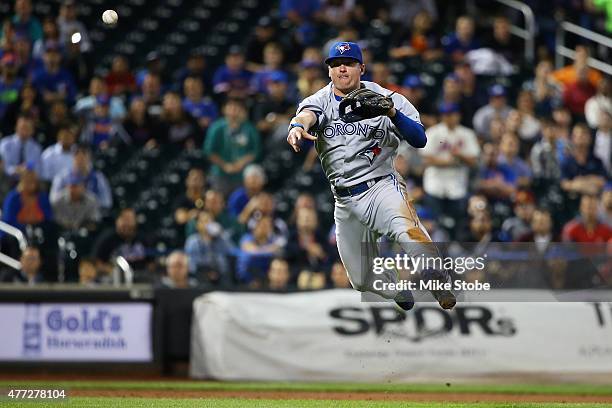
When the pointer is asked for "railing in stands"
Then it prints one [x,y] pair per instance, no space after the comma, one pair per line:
[5,259]
[563,51]
[528,33]
[122,265]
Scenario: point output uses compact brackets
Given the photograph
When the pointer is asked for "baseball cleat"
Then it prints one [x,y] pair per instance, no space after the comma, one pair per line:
[405,300]
[445,298]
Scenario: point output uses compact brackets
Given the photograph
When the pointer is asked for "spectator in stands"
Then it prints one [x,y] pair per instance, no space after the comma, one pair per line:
[382,76]
[272,112]
[577,93]
[177,126]
[563,118]
[546,91]
[208,251]
[264,34]
[503,42]
[195,67]
[191,203]
[254,180]
[154,66]
[120,80]
[412,89]
[304,200]
[24,22]
[546,155]
[306,248]
[58,158]
[309,73]
[30,269]
[419,41]
[50,34]
[541,229]
[496,181]
[214,203]
[76,208]
[27,204]
[140,125]
[10,83]
[587,227]
[20,149]
[95,181]
[102,131]
[232,79]
[569,74]
[263,206]
[603,141]
[598,104]
[496,107]
[518,226]
[151,94]
[278,275]
[123,240]
[338,276]
[508,156]
[56,115]
[451,151]
[303,15]
[200,107]
[497,128]
[29,104]
[529,127]
[477,203]
[581,172]
[273,64]
[452,92]
[88,274]
[177,272]
[232,142]
[52,81]
[457,44]
[85,106]
[68,25]
[258,248]
[480,229]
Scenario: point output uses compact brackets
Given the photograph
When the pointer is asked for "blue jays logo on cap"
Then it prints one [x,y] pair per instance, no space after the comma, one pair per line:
[345,49]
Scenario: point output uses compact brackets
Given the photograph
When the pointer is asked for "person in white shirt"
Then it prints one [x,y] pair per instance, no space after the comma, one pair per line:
[450,152]
[603,141]
[58,158]
[598,103]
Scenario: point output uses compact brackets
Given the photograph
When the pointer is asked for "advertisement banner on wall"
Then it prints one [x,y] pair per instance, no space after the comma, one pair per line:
[76,332]
[332,336]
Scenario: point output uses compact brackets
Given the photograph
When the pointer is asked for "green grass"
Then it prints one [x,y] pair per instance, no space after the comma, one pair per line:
[261,403]
[561,389]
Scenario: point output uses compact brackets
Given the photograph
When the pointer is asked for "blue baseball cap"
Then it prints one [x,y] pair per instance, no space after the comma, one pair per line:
[448,107]
[497,90]
[278,76]
[345,49]
[102,100]
[412,81]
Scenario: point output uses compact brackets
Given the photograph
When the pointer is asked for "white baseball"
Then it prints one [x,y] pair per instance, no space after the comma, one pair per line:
[110,17]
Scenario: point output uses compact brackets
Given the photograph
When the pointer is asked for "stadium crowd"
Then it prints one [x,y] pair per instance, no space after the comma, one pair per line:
[527,162]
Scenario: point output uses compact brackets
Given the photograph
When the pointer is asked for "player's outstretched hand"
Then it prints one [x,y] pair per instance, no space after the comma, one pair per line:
[295,135]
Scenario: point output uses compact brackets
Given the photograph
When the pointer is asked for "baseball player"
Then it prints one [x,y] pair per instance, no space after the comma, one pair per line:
[356,127]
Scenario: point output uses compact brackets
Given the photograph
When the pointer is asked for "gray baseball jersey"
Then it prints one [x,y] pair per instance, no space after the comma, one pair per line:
[351,153]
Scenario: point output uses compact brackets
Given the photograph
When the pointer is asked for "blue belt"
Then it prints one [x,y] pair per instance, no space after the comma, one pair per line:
[358,188]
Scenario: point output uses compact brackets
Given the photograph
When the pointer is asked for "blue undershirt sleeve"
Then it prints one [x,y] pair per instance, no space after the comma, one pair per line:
[410,130]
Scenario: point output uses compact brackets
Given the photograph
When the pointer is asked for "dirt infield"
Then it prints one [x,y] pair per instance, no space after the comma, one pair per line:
[367,396]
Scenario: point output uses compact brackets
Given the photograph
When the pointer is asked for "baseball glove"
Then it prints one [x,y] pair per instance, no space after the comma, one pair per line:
[362,104]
